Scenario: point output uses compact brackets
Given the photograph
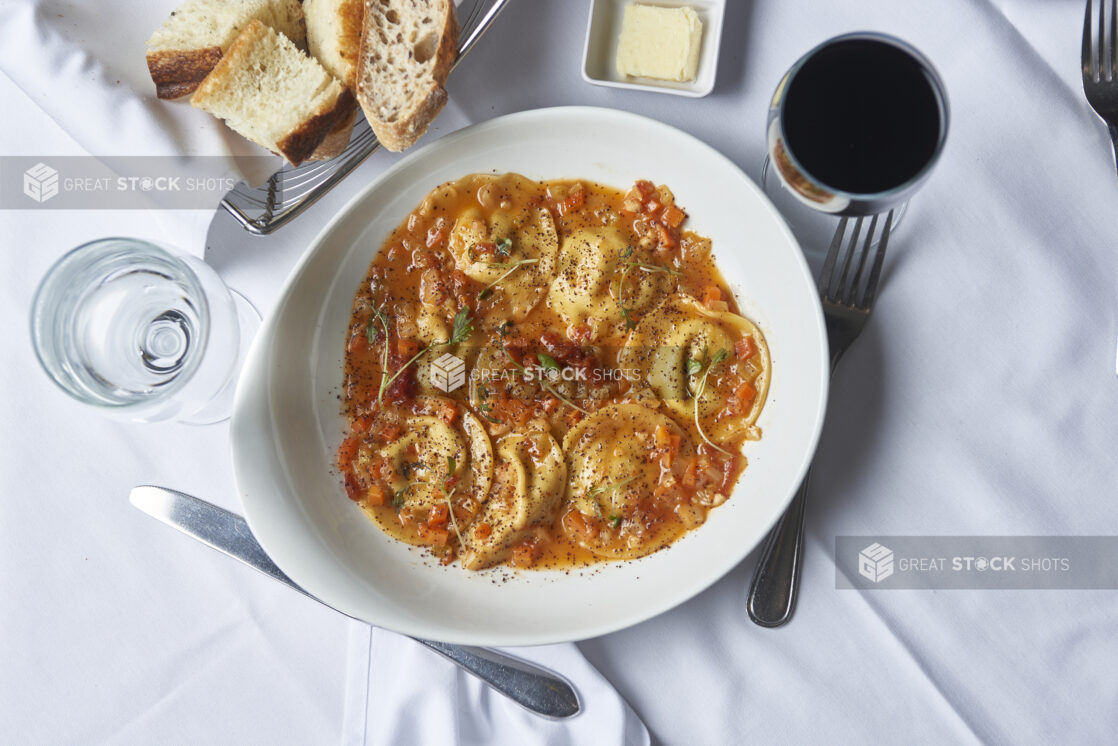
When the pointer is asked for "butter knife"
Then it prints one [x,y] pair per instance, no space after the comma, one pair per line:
[537,689]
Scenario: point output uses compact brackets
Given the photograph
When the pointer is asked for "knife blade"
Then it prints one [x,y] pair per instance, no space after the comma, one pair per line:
[533,687]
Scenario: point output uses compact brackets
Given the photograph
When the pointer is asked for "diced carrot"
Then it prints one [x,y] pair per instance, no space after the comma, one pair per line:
[388,432]
[711,293]
[407,347]
[651,207]
[405,518]
[352,487]
[376,494]
[582,526]
[663,436]
[665,237]
[645,188]
[574,201]
[525,554]
[666,459]
[358,343]
[438,515]
[745,347]
[482,530]
[435,536]
[718,305]
[673,446]
[573,417]
[673,217]
[742,400]
[347,451]
[447,412]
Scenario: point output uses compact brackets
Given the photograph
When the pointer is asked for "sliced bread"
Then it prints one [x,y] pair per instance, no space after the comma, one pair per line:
[334,35]
[191,41]
[334,39]
[267,90]
[407,50]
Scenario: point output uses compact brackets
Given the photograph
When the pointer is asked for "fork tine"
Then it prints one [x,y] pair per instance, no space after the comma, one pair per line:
[832,256]
[846,260]
[1086,55]
[878,261]
[1102,55]
[1111,66]
[852,291]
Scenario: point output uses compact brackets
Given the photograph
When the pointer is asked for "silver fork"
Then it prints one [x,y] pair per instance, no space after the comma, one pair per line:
[847,302]
[1100,65]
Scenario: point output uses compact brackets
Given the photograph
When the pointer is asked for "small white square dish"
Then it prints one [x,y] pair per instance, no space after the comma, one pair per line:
[603,31]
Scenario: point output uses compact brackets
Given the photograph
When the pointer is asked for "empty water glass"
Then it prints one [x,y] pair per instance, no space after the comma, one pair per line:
[142,332]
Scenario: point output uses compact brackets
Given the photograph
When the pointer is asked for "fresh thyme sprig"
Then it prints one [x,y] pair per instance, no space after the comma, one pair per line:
[381,317]
[460,332]
[693,368]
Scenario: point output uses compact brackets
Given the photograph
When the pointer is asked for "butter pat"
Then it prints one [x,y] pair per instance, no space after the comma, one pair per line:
[661,43]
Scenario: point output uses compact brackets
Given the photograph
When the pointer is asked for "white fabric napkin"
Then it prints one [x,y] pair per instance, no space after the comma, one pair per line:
[409,695]
[85,66]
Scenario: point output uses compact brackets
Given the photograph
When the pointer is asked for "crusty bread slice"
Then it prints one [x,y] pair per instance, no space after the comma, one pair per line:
[334,35]
[334,39]
[266,89]
[191,41]
[336,140]
[407,49]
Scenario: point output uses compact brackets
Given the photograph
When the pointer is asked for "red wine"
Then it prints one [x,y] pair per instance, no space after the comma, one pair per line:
[862,116]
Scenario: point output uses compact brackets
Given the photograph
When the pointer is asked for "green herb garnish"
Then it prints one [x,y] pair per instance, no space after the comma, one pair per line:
[547,361]
[701,387]
[504,246]
[461,331]
[630,323]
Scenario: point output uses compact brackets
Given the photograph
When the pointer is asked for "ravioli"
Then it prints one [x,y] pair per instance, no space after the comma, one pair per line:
[419,461]
[588,287]
[610,484]
[680,333]
[513,249]
[530,478]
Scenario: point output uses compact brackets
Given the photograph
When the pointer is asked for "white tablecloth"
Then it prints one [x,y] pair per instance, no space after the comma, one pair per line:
[982,399]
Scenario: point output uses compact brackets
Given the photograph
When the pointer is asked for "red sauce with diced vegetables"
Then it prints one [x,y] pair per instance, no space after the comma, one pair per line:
[428,484]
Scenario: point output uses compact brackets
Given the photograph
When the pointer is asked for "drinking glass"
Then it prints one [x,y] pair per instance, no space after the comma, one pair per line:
[142,332]
[854,128]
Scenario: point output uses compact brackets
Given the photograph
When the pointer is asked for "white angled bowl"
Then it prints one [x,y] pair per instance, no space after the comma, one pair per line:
[287,422]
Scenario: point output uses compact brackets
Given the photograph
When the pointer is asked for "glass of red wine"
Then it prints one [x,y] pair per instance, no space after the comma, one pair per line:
[854,128]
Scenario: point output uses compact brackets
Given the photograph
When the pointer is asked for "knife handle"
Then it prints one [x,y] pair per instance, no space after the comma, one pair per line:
[543,692]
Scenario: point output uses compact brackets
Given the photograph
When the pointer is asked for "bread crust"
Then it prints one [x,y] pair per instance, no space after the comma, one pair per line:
[336,140]
[298,145]
[178,73]
[411,124]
